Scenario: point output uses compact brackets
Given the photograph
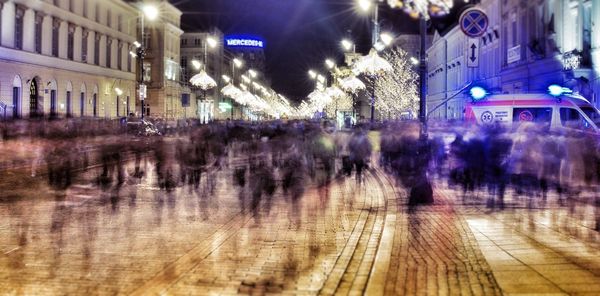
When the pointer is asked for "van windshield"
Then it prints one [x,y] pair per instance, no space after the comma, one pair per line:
[593,114]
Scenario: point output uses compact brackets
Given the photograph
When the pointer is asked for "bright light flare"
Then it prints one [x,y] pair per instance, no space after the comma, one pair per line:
[312,74]
[150,11]
[387,38]
[196,64]
[347,44]
[211,41]
[118,91]
[329,63]
[237,62]
[414,61]
[252,73]
[365,5]
[478,93]
[226,78]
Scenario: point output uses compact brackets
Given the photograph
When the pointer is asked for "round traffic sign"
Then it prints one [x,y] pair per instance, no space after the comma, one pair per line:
[474,22]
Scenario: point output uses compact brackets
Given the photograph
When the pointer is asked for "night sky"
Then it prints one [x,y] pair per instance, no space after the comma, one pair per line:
[299,34]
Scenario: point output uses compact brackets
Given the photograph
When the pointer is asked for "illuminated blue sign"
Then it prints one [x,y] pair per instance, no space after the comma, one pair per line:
[244,41]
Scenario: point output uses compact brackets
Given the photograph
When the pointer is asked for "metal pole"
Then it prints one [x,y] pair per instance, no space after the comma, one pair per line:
[423,74]
[141,59]
[375,37]
[233,83]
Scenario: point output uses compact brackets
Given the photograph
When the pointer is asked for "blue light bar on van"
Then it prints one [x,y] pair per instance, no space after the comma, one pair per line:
[478,93]
[557,90]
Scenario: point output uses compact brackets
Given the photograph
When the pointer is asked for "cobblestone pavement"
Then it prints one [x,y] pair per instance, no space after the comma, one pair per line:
[345,239]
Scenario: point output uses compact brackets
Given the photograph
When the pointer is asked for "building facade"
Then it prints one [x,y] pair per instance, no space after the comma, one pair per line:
[167,97]
[550,41]
[63,58]
[196,55]
[529,46]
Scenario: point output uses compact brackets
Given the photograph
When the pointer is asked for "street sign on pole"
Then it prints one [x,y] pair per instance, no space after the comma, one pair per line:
[473,53]
[474,22]
[143,90]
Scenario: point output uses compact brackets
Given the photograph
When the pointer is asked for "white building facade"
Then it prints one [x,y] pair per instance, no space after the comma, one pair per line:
[63,58]
[448,71]
[529,46]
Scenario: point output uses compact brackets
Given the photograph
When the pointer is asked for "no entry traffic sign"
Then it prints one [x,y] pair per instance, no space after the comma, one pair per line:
[474,22]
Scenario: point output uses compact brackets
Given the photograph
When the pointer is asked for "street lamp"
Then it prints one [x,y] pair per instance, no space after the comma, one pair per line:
[348,45]
[386,38]
[150,12]
[252,73]
[196,64]
[329,63]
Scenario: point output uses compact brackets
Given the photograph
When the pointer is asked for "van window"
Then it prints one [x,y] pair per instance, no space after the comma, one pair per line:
[592,113]
[537,115]
[571,118]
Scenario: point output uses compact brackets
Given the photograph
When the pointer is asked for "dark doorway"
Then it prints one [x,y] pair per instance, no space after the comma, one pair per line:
[53,103]
[69,107]
[94,105]
[16,102]
[82,104]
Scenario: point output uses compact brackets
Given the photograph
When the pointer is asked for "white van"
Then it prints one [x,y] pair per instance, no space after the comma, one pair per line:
[568,111]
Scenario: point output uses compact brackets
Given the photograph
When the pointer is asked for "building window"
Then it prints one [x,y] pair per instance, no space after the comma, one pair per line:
[84,45]
[55,30]
[183,42]
[97,17]
[108,52]
[97,50]
[197,41]
[19,27]
[147,75]
[71,6]
[70,42]
[38,33]
[120,23]
[120,56]
[118,103]
[184,62]
[85,6]
[129,62]
[108,18]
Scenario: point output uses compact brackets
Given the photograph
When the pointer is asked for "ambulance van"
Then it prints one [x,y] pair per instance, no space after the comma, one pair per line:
[555,110]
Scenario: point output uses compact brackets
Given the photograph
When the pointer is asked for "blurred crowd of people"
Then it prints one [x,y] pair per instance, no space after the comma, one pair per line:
[262,158]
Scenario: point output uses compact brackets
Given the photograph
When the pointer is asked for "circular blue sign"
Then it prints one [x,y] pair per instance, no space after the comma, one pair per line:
[474,22]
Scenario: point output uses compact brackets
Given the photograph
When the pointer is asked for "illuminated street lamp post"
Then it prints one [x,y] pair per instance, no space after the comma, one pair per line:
[235,63]
[151,12]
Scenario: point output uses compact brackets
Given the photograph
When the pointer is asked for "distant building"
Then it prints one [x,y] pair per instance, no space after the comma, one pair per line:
[249,48]
[67,58]
[194,46]
[167,96]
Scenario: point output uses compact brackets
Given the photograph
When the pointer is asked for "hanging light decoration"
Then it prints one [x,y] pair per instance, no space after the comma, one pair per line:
[371,64]
[203,81]
[427,8]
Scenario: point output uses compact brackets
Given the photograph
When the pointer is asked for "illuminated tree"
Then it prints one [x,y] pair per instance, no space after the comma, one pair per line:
[397,91]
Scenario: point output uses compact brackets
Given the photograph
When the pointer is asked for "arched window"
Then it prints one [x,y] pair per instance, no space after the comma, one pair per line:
[82,100]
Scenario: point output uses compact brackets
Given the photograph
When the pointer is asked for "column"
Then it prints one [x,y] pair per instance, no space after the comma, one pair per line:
[91,36]
[102,50]
[77,42]
[8,24]
[47,35]
[29,30]
[63,31]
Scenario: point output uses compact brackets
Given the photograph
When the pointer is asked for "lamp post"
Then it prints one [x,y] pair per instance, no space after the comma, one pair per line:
[151,12]
[235,63]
